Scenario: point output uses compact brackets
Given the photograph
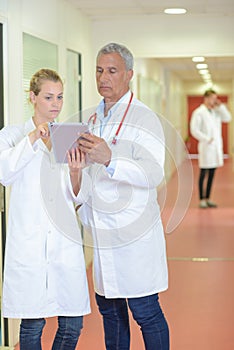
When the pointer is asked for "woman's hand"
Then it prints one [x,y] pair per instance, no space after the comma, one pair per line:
[41,131]
[76,162]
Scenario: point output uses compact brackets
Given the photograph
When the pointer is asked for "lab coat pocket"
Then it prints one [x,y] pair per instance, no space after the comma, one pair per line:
[26,246]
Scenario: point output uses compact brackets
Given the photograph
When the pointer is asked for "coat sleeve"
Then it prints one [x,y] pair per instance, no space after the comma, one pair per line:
[15,153]
[145,167]
[196,127]
[85,190]
[224,113]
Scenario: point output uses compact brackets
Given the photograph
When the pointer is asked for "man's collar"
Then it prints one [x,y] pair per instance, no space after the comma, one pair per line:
[101,106]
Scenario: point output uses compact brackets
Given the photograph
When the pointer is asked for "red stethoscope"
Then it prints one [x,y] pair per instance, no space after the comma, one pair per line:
[93,117]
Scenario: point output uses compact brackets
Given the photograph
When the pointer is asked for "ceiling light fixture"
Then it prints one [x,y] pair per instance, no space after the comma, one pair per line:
[206,76]
[175,11]
[203,71]
[198,59]
[202,66]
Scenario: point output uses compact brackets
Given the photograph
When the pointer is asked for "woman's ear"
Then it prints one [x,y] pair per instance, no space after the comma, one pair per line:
[32,97]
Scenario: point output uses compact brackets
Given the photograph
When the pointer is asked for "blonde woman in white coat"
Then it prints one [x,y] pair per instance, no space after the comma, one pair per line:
[44,272]
[206,127]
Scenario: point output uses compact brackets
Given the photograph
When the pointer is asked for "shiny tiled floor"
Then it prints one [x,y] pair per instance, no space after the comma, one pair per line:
[199,303]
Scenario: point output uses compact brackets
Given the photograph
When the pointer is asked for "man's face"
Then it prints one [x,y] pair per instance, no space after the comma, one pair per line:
[211,101]
[112,77]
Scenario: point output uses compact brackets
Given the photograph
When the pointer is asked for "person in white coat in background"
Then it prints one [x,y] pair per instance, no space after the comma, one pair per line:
[44,272]
[126,147]
[206,127]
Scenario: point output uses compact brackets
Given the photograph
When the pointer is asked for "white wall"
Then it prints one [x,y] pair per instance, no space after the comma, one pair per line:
[173,108]
[55,21]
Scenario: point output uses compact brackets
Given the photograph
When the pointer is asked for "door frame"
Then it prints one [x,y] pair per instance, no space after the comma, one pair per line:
[4,322]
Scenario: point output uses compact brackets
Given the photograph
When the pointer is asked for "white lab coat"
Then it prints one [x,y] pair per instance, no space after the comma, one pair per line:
[205,125]
[122,210]
[44,272]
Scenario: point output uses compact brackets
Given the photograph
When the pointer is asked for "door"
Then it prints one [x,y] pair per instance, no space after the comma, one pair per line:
[194,102]
[73,86]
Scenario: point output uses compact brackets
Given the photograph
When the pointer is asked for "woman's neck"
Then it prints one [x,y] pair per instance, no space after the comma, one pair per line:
[38,120]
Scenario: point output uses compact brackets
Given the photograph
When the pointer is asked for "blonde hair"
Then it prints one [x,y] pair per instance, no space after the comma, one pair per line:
[41,76]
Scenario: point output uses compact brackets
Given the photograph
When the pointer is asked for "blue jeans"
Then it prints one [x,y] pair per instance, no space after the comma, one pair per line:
[147,313]
[66,338]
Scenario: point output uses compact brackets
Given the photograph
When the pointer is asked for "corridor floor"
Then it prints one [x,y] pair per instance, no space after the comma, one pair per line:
[199,304]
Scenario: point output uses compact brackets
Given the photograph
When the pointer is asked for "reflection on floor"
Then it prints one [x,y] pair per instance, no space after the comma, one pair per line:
[199,303]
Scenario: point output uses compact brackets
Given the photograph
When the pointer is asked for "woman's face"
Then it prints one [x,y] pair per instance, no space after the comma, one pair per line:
[48,103]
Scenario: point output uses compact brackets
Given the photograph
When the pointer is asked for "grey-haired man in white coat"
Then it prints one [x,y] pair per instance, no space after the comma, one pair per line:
[126,146]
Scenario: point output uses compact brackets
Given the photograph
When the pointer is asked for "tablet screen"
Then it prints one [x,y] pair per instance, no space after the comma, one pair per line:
[64,137]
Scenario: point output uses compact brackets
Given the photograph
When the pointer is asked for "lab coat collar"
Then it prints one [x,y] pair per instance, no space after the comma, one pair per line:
[30,126]
[114,117]
[118,106]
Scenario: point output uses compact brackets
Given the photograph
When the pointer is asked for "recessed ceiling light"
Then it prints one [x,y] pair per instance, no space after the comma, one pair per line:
[203,71]
[175,11]
[206,76]
[198,59]
[202,66]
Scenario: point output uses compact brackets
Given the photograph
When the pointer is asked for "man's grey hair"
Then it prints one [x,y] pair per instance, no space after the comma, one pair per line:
[121,50]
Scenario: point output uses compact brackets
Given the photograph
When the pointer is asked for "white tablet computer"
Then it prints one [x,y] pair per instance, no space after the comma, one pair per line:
[64,137]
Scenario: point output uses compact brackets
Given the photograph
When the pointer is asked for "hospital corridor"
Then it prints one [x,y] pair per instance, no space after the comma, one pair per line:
[103,105]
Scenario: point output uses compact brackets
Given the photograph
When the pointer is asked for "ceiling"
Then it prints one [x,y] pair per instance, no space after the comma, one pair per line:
[220,68]
[114,8]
